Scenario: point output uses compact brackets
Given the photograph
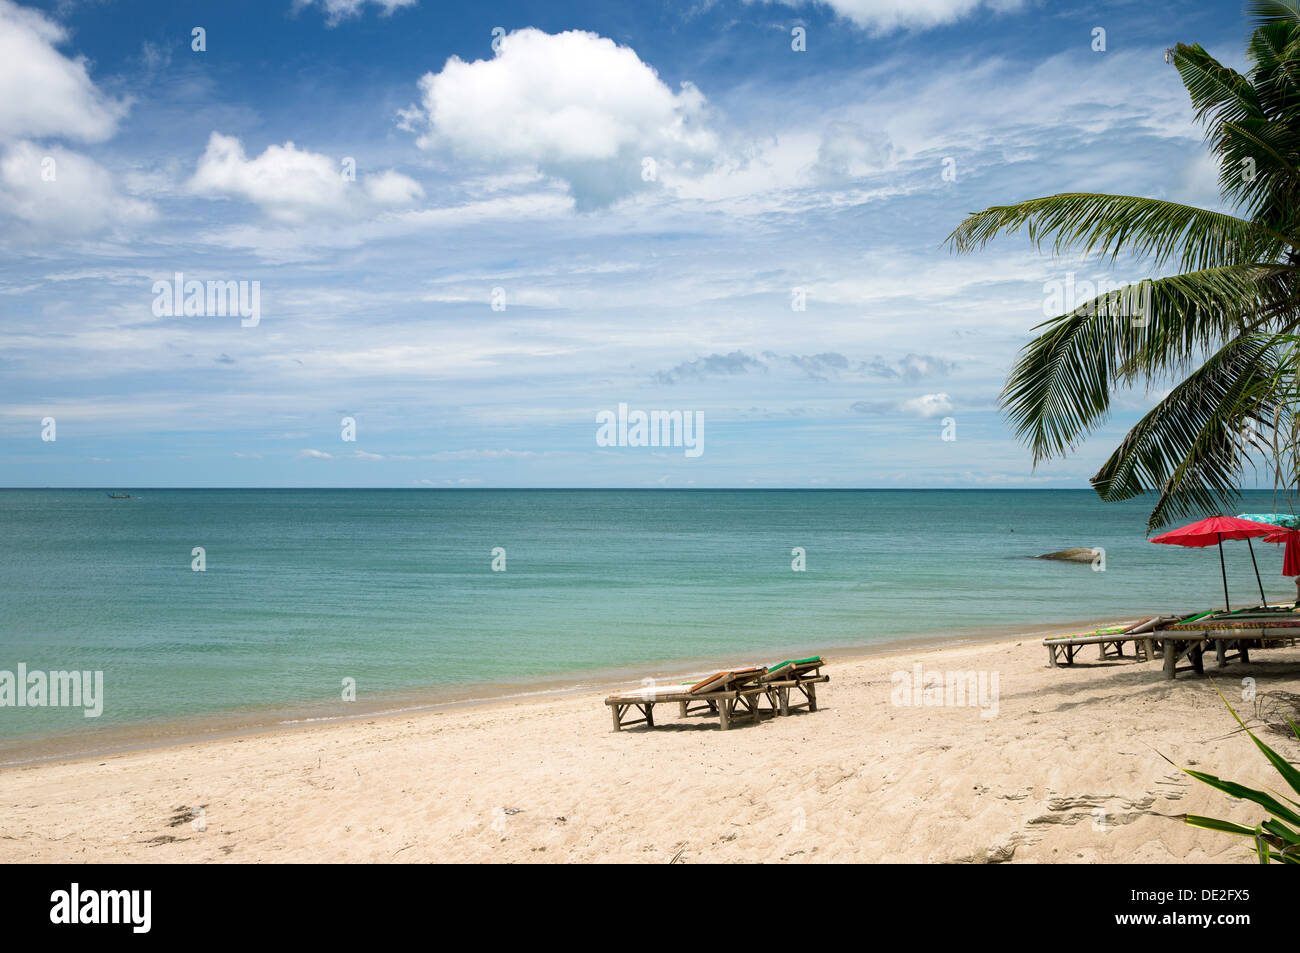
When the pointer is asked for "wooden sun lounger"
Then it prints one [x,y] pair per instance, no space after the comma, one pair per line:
[1175,638]
[1062,649]
[723,692]
[803,675]
[1233,638]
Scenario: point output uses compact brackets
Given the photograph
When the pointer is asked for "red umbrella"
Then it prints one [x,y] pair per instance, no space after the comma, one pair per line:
[1291,561]
[1214,530]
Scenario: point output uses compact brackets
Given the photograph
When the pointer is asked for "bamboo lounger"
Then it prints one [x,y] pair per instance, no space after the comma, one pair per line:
[803,675]
[723,692]
[1190,639]
[1175,638]
[1110,644]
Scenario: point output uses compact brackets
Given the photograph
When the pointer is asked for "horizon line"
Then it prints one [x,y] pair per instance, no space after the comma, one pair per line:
[682,489]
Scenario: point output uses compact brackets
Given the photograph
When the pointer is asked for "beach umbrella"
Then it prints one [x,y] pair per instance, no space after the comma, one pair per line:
[1213,531]
[1286,530]
[1279,520]
[1291,559]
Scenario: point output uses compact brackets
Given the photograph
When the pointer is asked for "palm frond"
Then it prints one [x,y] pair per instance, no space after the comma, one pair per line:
[1273,11]
[1190,446]
[1219,93]
[1276,72]
[1107,225]
[1060,385]
[1236,300]
[1259,171]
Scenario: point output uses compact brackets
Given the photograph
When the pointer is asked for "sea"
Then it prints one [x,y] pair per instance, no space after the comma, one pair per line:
[213,610]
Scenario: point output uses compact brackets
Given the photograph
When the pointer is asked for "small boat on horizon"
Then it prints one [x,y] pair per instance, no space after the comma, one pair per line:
[118,496]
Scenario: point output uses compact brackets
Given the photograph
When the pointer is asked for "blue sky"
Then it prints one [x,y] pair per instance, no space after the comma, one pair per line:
[521,171]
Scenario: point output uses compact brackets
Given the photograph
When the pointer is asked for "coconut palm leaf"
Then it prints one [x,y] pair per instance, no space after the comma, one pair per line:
[1106,225]
[1189,444]
[1219,327]
[1061,385]
[1274,11]
[1219,93]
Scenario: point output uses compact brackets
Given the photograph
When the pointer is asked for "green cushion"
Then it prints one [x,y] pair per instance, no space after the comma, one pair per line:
[794,661]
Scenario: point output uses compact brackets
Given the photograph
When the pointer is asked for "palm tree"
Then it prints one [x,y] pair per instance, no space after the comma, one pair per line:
[1224,328]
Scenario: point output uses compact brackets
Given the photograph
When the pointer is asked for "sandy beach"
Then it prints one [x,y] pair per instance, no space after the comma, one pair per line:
[1066,767]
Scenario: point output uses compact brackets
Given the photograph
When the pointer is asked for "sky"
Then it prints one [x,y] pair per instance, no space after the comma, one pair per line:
[462,232]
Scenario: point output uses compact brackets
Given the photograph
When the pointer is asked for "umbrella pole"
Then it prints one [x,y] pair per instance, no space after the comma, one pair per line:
[1223,569]
[1263,599]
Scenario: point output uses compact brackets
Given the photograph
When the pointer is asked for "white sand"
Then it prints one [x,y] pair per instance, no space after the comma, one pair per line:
[1069,770]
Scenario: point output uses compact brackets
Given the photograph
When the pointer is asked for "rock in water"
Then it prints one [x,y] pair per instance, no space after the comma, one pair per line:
[1076,555]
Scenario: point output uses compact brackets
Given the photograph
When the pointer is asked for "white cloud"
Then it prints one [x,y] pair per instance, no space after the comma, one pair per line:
[576,105]
[293,185]
[47,95]
[42,92]
[391,188]
[80,197]
[849,150]
[927,405]
[339,10]
[886,16]
[288,242]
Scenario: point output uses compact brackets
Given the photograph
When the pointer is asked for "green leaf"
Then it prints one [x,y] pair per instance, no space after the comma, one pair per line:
[1240,791]
[1189,445]
[1284,767]
[1106,225]
[1223,827]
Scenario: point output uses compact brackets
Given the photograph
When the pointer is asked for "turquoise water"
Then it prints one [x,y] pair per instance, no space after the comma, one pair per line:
[395,588]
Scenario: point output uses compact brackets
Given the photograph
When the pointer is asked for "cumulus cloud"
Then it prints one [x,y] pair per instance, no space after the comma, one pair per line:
[42,92]
[337,11]
[59,192]
[47,95]
[911,367]
[823,366]
[575,105]
[927,405]
[714,365]
[886,16]
[293,185]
